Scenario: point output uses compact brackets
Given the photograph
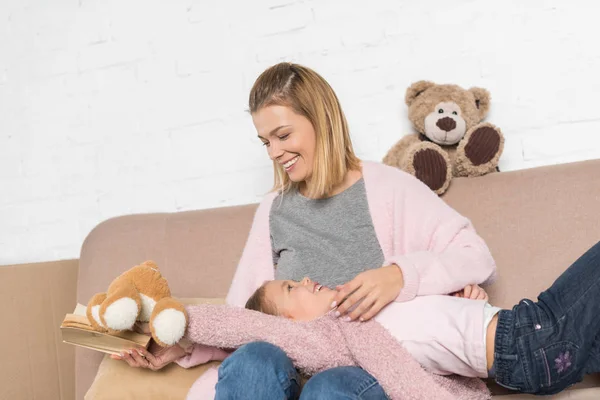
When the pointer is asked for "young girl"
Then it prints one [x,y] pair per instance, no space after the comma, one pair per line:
[537,347]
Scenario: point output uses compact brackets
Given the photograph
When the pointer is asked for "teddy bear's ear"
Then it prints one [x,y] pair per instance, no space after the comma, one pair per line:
[415,90]
[482,100]
[150,263]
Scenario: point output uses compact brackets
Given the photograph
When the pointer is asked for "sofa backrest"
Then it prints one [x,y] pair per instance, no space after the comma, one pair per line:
[536,222]
[196,251]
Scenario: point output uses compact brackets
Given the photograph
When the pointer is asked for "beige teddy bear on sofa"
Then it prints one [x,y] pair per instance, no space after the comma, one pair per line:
[451,141]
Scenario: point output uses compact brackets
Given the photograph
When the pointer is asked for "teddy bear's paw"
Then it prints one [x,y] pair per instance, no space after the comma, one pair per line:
[121,314]
[168,322]
[431,166]
[169,326]
[479,151]
[93,311]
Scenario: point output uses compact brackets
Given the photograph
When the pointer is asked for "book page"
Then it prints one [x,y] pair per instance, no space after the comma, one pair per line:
[80,309]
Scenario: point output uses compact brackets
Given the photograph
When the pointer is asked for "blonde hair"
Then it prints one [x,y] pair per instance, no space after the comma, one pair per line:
[259,302]
[306,93]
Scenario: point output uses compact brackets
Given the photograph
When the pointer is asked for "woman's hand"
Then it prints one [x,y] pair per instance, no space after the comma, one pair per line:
[155,358]
[473,292]
[374,288]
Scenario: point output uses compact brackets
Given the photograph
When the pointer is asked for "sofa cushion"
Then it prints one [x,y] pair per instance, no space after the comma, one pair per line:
[117,380]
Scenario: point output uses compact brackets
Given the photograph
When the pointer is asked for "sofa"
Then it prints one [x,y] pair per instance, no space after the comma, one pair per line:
[536,222]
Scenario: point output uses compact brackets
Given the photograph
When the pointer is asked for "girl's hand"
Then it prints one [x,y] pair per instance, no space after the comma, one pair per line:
[374,288]
[473,292]
[155,358]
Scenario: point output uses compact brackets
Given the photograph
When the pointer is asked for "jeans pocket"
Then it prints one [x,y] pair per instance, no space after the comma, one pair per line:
[556,365]
[526,314]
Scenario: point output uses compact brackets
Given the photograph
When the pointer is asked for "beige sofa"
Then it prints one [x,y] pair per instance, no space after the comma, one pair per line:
[536,222]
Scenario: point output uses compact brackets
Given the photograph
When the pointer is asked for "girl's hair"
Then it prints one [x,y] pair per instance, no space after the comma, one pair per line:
[308,94]
[259,302]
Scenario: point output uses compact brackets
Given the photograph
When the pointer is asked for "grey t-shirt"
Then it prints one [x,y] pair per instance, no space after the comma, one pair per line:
[329,240]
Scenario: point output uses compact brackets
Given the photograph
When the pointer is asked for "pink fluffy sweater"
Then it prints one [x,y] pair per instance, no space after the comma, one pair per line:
[326,343]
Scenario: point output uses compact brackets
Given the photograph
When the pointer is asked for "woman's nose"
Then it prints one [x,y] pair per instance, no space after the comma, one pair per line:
[275,151]
[306,281]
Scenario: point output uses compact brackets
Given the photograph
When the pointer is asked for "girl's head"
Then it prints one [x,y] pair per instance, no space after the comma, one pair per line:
[302,301]
[299,119]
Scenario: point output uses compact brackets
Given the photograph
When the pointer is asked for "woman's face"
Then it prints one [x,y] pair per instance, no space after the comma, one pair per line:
[290,140]
[302,301]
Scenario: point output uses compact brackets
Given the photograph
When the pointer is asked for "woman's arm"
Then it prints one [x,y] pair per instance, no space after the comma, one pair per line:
[198,354]
[443,252]
[256,264]
[429,248]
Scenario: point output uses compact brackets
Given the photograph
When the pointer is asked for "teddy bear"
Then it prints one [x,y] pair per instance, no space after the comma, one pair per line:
[451,139]
[139,294]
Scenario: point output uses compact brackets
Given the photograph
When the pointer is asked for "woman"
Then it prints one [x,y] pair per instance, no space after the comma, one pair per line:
[374,232]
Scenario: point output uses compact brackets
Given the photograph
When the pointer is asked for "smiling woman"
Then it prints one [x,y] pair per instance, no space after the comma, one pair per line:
[341,222]
[300,120]
[290,146]
[369,233]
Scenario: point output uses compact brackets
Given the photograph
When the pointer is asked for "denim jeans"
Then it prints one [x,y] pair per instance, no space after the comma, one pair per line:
[263,371]
[546,346]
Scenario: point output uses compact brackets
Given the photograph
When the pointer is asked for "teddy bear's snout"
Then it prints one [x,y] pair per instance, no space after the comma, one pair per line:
[446,124]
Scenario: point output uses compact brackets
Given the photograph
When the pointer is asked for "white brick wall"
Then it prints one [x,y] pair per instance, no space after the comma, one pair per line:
[128,106]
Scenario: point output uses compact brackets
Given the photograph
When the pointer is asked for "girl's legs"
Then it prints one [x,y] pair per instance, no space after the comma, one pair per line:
[593,363]
[545,347]
[258,370]
[343,383]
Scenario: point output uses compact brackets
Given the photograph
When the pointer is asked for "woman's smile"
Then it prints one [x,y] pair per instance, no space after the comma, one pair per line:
[290,164]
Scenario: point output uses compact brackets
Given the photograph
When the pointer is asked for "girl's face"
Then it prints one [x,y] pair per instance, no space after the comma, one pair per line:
[302,301]
[290,140]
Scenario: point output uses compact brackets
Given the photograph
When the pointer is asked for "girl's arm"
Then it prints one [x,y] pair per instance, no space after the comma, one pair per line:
[312,346]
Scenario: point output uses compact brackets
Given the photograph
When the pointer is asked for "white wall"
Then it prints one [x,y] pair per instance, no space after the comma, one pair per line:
[128,106]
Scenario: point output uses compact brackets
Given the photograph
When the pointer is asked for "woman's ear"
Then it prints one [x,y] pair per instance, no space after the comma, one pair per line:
[482,100]
[415,91]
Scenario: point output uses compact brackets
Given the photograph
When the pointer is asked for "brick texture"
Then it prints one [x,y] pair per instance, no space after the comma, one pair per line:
[116,107]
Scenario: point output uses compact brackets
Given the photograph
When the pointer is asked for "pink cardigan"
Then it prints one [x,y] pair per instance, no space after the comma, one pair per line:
[326,343]
[436,248]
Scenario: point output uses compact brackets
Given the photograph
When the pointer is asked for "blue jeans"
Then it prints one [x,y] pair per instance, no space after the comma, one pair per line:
[263,371]
[546,346]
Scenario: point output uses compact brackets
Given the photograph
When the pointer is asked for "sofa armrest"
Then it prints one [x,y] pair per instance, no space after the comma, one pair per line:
[34,299]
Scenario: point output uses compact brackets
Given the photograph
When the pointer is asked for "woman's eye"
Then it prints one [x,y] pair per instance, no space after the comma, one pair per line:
[454,112]
[289,287]
[283,137]
[441,111]
[265,143]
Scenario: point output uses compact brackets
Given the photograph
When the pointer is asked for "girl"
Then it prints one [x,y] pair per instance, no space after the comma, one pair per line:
[538,347]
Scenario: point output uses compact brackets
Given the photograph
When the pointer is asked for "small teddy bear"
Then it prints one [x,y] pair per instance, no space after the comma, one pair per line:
[451,141]
[139,294]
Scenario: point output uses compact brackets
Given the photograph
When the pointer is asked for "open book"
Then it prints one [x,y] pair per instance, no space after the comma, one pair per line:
[77,330]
